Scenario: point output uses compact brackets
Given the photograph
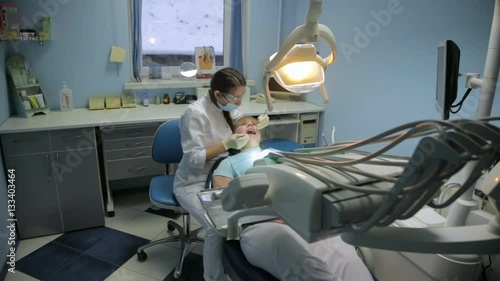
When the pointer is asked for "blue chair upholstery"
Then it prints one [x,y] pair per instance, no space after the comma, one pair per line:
[237,266]
[281,144]
[167,149]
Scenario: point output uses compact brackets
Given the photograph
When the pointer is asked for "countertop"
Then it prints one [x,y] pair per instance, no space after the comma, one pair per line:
[83,117]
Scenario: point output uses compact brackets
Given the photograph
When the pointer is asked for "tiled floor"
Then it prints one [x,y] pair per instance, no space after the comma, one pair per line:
[108,253]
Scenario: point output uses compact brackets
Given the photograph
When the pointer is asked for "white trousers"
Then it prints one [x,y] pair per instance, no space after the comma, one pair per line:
[280,251]
[212,248]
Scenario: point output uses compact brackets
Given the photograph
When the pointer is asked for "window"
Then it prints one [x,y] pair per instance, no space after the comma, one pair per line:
[171,29]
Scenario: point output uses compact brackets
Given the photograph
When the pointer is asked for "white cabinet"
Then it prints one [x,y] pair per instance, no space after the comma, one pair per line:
[302,128]
[58,187]
[127,154]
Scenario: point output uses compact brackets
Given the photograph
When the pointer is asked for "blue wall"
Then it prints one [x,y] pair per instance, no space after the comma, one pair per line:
[391,78]
[83,34]
[264,22]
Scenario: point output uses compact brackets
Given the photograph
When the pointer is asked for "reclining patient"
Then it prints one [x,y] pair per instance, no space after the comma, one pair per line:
[275,247]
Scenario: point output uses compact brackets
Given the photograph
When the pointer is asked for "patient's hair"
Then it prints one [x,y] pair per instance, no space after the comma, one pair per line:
[243,120]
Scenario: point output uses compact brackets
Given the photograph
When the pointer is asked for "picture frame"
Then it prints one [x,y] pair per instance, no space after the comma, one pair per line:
[205,60]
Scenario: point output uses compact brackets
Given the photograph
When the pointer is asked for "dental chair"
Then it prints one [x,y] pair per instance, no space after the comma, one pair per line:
[167,149]
[235,263]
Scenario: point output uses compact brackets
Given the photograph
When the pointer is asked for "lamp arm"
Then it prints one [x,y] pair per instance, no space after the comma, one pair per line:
[265,84]
[315,8]
[326,34]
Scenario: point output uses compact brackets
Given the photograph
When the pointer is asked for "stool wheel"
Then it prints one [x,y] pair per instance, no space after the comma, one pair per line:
[170,226]
[141,256]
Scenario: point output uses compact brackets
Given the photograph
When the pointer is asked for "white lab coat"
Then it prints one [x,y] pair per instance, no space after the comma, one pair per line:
[201,125]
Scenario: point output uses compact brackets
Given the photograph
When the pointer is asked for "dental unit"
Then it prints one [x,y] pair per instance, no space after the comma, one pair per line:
[339,190]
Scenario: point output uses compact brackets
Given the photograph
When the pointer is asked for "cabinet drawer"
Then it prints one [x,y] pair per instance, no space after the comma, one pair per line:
[128,143]
[72,139]
[128,153]
[115,133]
[25,143]
[131,168]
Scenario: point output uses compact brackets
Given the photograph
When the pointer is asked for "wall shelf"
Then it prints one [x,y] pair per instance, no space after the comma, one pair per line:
[27,86]
[41,42]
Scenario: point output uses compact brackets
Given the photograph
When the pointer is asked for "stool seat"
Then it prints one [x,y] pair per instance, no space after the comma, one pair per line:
[160,193]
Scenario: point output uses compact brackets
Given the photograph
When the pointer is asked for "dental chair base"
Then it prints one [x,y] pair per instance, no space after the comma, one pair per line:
[237,266]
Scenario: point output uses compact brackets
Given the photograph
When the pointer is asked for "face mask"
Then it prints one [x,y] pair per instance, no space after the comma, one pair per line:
[229,107]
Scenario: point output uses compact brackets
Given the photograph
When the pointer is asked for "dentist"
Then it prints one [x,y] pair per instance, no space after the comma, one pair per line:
[207,133]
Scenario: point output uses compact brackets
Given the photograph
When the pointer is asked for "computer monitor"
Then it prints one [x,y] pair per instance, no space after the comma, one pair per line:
[448,62]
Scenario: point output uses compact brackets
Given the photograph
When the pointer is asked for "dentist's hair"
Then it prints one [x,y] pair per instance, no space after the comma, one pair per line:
[224,81]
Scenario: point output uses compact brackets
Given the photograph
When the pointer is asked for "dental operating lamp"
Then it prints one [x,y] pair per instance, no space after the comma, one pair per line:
[296,66]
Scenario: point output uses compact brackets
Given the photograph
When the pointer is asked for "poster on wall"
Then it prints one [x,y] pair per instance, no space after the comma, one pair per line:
[205,60]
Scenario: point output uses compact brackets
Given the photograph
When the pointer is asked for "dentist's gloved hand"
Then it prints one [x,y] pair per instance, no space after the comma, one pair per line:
[263,121]
[235,141]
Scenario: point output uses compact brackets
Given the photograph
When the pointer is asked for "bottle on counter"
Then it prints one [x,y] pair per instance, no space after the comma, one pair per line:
[166,99]
[145,99]
[66,98]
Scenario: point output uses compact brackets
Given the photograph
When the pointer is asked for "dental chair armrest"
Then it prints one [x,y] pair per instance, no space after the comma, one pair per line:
[234,226]
[244,192]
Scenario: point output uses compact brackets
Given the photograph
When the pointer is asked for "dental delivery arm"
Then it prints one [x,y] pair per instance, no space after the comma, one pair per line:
[339,190]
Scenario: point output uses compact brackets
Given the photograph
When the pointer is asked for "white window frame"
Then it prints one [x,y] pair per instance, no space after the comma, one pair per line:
[174,70]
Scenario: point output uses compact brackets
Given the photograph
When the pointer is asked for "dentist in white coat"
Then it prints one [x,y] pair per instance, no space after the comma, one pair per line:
[206,134]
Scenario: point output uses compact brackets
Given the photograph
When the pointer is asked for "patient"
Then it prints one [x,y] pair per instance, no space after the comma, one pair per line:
[275,247]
